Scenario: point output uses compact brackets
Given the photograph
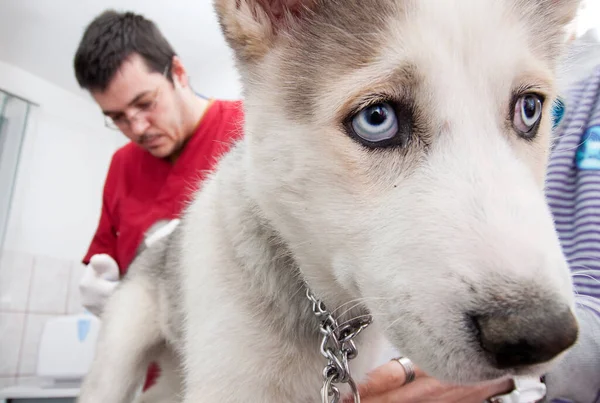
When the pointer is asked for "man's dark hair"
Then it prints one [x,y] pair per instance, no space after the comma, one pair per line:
[113,37]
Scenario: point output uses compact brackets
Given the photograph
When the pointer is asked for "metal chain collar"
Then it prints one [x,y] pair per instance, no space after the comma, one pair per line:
[338,347]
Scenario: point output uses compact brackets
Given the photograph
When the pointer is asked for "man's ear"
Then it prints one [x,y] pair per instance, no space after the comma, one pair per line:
[178,72]
[252,26]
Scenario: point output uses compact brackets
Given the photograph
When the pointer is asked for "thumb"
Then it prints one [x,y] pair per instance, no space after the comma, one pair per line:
[105,266]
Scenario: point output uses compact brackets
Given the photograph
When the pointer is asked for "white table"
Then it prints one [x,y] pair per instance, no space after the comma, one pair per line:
[27,394]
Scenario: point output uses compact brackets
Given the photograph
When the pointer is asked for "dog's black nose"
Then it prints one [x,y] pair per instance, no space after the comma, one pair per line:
[526,336]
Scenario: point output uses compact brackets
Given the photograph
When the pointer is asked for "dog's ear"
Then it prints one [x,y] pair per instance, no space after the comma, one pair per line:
[561,12]
[251,26]
[548,21]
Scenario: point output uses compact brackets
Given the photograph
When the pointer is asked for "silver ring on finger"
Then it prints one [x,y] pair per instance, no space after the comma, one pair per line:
[409,369]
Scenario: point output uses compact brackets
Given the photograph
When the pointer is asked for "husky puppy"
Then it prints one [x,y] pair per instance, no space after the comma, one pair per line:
[393,162]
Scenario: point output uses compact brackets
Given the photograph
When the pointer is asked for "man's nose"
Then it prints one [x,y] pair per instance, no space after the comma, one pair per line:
[138,126]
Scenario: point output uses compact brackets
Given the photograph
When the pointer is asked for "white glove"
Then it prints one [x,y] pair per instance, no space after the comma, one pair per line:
[100,278]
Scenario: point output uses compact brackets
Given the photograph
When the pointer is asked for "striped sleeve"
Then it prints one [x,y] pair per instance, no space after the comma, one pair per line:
[573,193]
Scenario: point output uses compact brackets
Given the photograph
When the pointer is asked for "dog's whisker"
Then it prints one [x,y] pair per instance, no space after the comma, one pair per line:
[571,148]
[357,302]
[352,319]
[580,298]
[586,297]
[587,276]
[584,271]
[392,324]
[353,307]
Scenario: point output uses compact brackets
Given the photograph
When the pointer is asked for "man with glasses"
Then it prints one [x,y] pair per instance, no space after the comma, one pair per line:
[142,88]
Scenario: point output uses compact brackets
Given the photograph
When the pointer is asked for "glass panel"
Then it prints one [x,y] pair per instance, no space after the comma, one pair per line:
[13,121]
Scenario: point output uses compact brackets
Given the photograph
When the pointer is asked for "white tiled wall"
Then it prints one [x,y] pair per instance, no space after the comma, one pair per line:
[15,278]
[12,327]
[33,289]
[49,285]
[5,382]
[73,296]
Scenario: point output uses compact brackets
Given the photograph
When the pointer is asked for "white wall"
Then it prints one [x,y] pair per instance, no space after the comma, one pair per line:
[65,157]
[54,213]
[41,36]
[589,17]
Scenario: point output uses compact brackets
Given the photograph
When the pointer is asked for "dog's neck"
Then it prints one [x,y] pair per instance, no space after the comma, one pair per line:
[267,265]
[249,269]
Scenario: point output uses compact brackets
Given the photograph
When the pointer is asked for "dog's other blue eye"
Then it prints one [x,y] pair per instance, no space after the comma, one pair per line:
[376,123]
[528,114]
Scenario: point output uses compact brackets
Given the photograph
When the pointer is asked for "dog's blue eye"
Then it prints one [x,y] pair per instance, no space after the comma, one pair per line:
[376,123]
[527,115]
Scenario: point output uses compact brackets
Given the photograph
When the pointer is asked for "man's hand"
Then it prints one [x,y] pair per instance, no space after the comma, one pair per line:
[386,385]
[101,275]
[100,278]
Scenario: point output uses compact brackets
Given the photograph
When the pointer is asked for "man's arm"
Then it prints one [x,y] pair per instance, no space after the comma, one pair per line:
[101,273]
[105,237]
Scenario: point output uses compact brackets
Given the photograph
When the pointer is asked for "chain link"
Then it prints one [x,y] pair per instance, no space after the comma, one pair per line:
[338,347]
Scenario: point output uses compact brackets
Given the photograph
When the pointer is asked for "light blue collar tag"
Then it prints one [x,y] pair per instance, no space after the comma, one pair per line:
[588,153]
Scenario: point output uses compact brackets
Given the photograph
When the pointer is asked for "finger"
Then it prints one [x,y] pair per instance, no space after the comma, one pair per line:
[476,393]
[424,389]
[387,377]
[429,390]
[488,390]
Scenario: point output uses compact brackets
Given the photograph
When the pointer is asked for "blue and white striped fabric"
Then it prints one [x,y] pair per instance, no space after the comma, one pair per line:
[573,188]
[573,193]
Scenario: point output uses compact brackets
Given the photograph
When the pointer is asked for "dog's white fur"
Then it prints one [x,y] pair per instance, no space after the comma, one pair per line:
[420,236]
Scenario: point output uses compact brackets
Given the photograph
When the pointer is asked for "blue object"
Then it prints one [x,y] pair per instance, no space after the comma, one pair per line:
[83,329]
[588,153]
[558,111]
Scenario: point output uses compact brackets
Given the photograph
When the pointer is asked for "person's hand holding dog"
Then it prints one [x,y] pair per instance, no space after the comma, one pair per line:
[387,384]
[99,280]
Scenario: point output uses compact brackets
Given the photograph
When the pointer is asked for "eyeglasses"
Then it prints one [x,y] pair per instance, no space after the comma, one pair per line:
[143,108]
